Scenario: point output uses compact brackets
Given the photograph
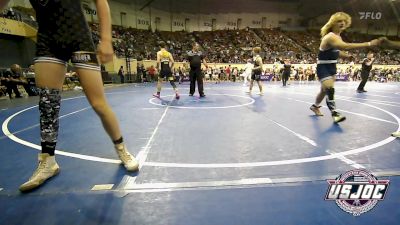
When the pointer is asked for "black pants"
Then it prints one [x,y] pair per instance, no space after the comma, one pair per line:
[31,90]
[12,86]
[364,79]
[285,78]
[196,75]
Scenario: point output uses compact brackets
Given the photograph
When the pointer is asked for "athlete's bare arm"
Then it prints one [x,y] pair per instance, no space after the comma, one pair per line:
[392,44]
[344,54]
[158,61]
[205,63]
[105,49]
[171,61]
[335,41]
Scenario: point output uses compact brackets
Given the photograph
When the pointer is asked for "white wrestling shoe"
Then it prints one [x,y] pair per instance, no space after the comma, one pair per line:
[46,169]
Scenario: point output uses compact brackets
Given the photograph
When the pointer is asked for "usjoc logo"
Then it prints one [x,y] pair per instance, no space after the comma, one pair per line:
[356,191]
[370,15]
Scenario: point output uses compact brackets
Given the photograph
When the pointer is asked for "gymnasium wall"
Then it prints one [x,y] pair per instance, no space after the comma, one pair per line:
[168,20]
[383,26]
[116,63]
[18,50]
[287,16]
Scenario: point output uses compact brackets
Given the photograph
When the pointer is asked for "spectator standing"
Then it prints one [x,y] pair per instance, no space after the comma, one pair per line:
[121,74]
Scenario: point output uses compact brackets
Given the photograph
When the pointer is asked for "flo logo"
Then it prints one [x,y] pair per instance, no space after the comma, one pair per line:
[357,191]
[370,15]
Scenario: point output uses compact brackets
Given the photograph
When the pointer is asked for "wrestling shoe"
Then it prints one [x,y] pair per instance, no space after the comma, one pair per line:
[46,169]
[129,161]
[316,110]
[337,118]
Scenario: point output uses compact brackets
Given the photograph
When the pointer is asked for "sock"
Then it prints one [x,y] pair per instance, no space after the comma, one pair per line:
[49,148]
[118,141]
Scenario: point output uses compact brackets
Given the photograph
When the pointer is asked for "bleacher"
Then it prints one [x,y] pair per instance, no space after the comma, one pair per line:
[234,46]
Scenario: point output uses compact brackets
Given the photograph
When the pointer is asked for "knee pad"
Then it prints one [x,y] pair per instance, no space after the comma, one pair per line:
[49,108]
[330,93]
[330,100]
[172,84]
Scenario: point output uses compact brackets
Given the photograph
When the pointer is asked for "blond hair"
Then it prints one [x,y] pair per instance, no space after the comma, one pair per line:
[257,50]
[333,20]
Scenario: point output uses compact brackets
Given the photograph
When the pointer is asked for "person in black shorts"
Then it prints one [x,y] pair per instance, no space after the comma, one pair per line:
[165,62]
[329,52]
[256,71]
[195,58]
[63,36]
[365,70]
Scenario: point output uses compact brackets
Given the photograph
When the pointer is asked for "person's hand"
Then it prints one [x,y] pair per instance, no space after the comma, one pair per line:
[384,41]
[105,51]
[375,42]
